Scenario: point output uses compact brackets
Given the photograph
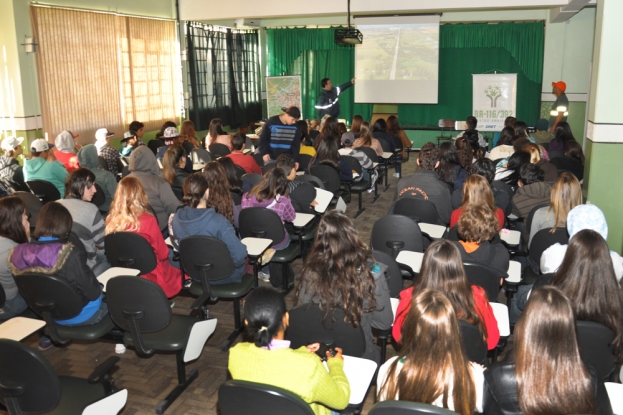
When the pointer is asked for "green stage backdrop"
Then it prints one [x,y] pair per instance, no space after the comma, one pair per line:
[464,49]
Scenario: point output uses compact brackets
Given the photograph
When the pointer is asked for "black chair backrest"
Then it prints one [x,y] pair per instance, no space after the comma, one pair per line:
[531,216]
[328,175]
[99,198]
[394,233]
[594,339]
[370,153]
[504,187]
[408,408]
[238,397]
[102,163]
[268,167]
[44,190]
[543,239]
[419,210]
[475,348]
[236,198]
[28,377]
[155,144]
[352,163]
[315,181]
[137,304]
[200,155]
[387,147]
[309,325]
[239,171]
[484,277]
[33,206]
[394,281]
[259,222]
[304,160]
[205,256]
[252,178]
[258,159]
[218,150]
[130,250]
[50,293]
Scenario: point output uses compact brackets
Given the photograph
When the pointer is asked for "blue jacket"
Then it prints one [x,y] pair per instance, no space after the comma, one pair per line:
[190,221]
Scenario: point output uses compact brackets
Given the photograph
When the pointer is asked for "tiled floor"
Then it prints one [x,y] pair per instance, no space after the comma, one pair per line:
[148,380]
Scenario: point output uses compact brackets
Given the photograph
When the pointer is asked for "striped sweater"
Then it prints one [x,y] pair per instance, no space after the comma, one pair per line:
[277,138]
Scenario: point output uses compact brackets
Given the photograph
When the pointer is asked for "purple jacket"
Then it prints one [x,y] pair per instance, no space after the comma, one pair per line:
[283,207]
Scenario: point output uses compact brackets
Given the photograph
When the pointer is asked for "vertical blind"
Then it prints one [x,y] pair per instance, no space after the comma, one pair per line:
[104,70]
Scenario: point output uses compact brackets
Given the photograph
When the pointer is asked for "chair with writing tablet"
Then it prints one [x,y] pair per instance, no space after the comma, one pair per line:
[239,397]
[29,384]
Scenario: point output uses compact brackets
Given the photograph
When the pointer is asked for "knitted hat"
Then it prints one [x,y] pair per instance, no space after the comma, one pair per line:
[587,217]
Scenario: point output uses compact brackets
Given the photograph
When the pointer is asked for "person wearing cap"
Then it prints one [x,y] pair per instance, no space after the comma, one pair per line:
[129,142]
[171,137]
[542,134]
[237,155]
[38,168]
[327,102]
[10,170]
[64,153]
[104,150]
[144,167]
[348,139]
[560,106]
[281,135]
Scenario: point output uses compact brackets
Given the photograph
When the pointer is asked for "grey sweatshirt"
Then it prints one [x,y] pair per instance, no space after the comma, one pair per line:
[88,226]
[6,277]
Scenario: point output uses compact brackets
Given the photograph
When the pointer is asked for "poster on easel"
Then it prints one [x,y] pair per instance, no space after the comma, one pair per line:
[283,91]
[494,98]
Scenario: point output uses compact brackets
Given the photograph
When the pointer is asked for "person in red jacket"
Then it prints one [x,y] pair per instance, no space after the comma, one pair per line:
[442,270]
[237,155]
[130,212]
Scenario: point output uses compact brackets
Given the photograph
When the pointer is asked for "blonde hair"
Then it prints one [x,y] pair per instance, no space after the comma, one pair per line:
[476,189]
[566,194]
[129,203]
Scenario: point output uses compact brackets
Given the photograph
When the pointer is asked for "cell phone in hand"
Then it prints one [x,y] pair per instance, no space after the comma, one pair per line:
[322,351]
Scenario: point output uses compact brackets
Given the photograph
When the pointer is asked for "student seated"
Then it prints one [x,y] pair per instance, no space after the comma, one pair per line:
[220,198]
[449,169]
[269,359]
[545,373]
[442,270]
[173,168]
[485,168]
[65,150]
[14,230]
[348,140]
[341,272]
[131,212]
[532,191]
[53,255]
[11,172]
[247,162]
[236,186]
[477,191]
[327,153]
[38,168]
[196,219]
[302,194]
[216,135]
[365,139]
[88,224]
[432,366]
[572,160]
[550,173]
[88,159]
[477,226]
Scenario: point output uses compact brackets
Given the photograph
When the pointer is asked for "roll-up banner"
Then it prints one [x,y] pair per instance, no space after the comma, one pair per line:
[494,99]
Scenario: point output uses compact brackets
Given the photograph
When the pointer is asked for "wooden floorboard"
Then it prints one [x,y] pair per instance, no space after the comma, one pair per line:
[148,380]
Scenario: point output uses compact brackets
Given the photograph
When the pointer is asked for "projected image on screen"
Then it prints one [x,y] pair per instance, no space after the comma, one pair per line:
[398,60]
[408,52]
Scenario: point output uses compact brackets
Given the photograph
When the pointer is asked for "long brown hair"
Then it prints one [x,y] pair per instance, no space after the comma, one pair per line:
[551,377]
[273,183]
[337,269]
[11,210]
[129,203]
[194,187]
[171,160]
[434,358]
[587,276]
[214,130]
[476,190]
[327,153]
[188,133]
[566,194]
[220,198]
[393,127]
[356,124]
[365,135]
[328,128]
[442,270]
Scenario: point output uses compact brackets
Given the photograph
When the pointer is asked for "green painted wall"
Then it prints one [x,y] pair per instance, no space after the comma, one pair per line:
[602,186]
[576,119]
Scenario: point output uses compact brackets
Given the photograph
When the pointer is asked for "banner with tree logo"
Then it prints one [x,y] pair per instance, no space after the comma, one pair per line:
[494,99]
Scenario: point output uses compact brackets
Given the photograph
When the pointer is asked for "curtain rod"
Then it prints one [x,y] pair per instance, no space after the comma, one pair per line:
[328,26]
[80,9]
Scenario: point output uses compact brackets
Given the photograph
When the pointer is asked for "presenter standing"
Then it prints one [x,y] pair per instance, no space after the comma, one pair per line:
[327,100]
[559,107]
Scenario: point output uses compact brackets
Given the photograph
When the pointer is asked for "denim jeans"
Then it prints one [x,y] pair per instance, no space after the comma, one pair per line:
[95,318]
[13,307]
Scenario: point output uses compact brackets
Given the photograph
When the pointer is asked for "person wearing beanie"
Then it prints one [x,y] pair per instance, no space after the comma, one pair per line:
[559,107]
[39,168]
[281,135]
[542,134]
[65,147]
[104,150]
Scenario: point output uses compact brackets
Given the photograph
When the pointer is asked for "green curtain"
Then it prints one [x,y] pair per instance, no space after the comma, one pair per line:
[313,54]
[464,49]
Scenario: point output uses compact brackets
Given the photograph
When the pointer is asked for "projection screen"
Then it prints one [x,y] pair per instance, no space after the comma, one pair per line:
[398,62]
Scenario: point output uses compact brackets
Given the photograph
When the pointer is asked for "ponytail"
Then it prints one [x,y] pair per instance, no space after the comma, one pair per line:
[264,310]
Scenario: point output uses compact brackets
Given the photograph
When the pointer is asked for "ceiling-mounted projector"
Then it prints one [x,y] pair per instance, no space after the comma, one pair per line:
[350,36]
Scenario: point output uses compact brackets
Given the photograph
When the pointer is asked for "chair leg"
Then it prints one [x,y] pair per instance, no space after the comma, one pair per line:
[361,208]
[182,380]
[383,349]
[238,327]
[386,174]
